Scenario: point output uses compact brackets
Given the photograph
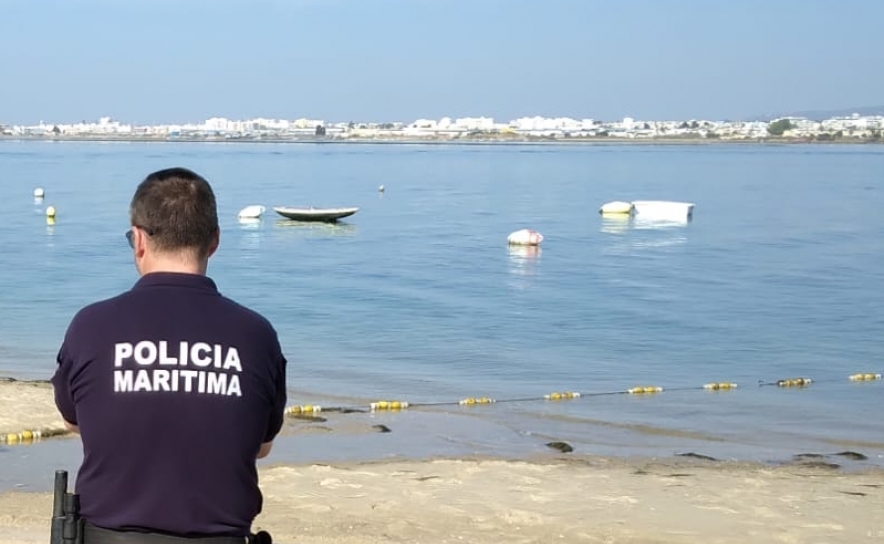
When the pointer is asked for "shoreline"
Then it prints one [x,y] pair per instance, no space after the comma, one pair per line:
[452,141]
[29,419]
[572,500]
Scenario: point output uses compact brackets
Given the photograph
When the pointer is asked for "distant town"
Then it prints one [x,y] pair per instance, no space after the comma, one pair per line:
[853,128]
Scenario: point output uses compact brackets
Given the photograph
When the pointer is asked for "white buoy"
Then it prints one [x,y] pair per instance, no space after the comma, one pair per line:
[381,189]
[525,237]
[251,212]
[39,193]
[616,207]
[50,212]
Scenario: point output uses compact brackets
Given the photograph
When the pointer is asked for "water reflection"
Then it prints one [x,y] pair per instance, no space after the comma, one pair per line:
[621,223]
[636,232]
[50,232]
[659,223]
[673,238]
[523,259]
[616,223]
[250,242]
[316,228]
[249,222]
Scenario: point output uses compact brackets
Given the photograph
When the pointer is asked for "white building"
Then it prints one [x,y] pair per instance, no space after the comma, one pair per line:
[474,123]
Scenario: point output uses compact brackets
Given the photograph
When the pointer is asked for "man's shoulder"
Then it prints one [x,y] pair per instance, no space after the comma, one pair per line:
[246,314]
[100,309]
[248,325]
[94,317]
[106,311]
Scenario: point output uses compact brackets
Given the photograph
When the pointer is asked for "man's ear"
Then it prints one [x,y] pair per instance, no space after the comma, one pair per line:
[216,241]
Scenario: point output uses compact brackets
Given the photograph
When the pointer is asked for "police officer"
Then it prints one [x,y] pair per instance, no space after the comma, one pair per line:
[174,389]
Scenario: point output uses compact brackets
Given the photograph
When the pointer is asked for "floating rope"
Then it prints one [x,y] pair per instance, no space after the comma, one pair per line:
[723,386]
[32,436]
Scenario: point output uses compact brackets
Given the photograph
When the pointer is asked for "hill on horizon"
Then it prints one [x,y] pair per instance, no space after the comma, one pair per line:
[819,115]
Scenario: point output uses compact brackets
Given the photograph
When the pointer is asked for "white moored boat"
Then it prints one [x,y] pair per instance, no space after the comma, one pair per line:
[663,209]
[314,214]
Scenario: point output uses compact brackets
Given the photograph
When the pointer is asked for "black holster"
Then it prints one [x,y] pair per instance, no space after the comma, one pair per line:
[67,525]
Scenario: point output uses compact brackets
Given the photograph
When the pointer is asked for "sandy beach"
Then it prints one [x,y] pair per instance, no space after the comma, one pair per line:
[560,497]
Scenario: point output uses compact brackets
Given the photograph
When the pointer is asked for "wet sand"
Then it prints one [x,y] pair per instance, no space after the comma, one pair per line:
[559,497]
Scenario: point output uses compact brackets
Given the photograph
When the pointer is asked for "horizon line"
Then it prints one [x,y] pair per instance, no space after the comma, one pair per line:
[807,114]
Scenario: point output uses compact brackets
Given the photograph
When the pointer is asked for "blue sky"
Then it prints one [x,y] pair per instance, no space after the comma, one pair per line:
[155,61]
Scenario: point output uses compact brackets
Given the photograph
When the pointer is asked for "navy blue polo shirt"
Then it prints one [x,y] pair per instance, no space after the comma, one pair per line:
[174,388]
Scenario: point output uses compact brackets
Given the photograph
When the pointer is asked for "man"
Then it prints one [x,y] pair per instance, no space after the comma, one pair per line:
[174,389]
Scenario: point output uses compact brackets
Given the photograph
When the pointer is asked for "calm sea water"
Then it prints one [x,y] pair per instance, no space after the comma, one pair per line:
[417,297]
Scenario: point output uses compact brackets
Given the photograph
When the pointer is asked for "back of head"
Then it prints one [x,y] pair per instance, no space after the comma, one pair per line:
[176,208]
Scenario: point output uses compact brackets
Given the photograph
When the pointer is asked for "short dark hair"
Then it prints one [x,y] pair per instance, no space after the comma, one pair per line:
[176,207]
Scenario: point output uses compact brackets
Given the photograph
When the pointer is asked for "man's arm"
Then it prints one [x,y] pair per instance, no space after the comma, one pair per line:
[71,427]
[265,450]
[277,412]
[61,385]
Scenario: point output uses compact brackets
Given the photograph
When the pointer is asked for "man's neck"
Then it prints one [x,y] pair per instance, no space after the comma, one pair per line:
[173,263]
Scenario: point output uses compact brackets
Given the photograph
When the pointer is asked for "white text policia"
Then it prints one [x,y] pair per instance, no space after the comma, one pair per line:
[216,371]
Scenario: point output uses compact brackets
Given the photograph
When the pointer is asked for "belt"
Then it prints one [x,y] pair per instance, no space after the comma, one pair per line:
[98,535]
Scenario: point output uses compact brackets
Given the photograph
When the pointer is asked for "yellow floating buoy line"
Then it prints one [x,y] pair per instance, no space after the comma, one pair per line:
[868,377]
[804,382]
[396,405]
[29,436]
[567,395]
[719,386]
[789,382]
[303,409]
[471,401]
[645,390]
[388,405]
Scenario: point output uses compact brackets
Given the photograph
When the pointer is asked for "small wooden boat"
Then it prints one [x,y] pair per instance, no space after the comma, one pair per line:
[314,214]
